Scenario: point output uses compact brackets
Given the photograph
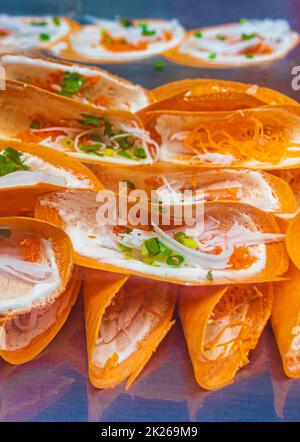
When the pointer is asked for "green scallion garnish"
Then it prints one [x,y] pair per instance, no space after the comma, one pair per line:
[71,84]
[175,260]
[44,37]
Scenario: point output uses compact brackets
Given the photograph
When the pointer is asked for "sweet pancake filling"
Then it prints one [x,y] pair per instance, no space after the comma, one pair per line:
[28,270]
[126,38]
[266,136]
[293,355]
[25,169]
[30,32]
[215,252]
[128,320]
[247,41]
[247,186]
[18,332]
[95,138]
[229,317]
[86,85]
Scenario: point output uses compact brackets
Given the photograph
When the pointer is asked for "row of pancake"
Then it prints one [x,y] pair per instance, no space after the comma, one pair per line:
[237,144]
[122,40]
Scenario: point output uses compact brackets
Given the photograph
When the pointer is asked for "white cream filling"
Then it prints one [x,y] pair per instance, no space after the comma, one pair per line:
[122,95]
[25,36]
[276,33]
[70,180]
[79,214]
[16,293]
[86,42]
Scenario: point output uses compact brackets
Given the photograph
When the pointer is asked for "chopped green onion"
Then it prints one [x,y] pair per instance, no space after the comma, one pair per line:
[92,120]
[153,246]
[71,84]
[38,23]
[123,153]
[97,137]
[249,36]
[198,34]
[123,248]
[189,242]
[15,156]
[56,21]
[5,233]
[109,152]
[209,276]
[93,148]
[179,235]
[35,125]
[140,152]
[212,56]
[10,161]
[243,21]
[126,142]
[44,37]
[175,260]
[221,37]
[249,55]
[126,22]
[159,66]
[108,128]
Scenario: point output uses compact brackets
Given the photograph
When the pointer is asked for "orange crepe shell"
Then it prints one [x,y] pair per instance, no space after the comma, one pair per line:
[293,240]
[220,94]
[61,246]
[286,316]
[29,73]
[195,309]
[40,342]
[99,291]
[276,256]
[148,179]
[22,103]
[20,200]
[189,60]
[283,120]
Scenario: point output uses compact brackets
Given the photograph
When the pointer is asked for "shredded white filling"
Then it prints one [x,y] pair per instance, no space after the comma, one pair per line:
[23,283]
[122,331]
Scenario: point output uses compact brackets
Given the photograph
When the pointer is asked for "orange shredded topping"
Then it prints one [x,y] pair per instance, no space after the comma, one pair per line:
[120,44]
[241,258]
[101,100]
[245,137]
[30,248]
